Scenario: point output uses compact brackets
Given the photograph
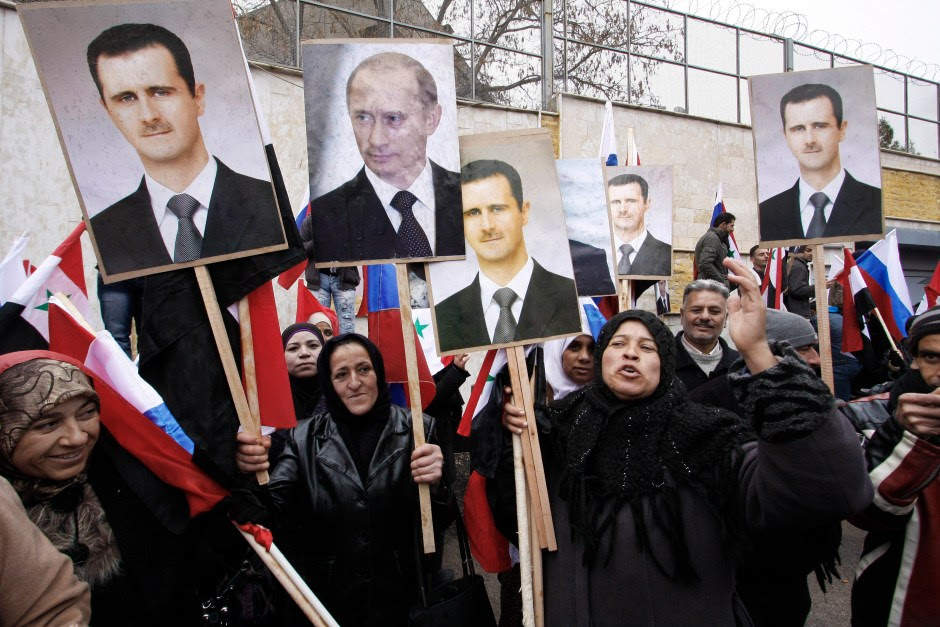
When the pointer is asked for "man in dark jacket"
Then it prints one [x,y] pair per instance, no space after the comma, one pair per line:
[799,289]
[712,249]
[700,353]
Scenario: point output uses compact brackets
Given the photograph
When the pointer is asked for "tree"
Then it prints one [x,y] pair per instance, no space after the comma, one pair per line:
[887,141]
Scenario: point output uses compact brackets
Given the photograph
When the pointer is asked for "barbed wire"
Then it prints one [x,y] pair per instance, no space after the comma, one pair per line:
[795,26]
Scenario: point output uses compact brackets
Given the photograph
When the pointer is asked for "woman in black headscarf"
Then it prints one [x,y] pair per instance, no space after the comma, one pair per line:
[652,494]
[347,478]
[302,345]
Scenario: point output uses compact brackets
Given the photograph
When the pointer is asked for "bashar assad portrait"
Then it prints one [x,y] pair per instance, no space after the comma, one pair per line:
[512,298]
[189,204]
[401,205]
[826,200]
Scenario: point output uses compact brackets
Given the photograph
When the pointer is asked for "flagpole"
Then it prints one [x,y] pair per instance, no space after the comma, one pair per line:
[251,378]
[522,523]
[226,355]
[884,326]
[822,317]
[414,395]
[626,285]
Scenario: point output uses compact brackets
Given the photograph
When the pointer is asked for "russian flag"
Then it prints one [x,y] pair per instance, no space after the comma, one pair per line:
[608,147]
[733,251]
[62,271]
[856,302]
[881,268]
[385,330]
[288,277]
[307,305]
[132,410]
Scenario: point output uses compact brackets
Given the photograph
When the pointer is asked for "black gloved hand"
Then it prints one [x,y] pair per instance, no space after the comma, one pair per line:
[250,505]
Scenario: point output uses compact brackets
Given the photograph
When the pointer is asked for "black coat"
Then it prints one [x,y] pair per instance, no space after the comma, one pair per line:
[356,543]
[591,270]
[689,372]
[799,291]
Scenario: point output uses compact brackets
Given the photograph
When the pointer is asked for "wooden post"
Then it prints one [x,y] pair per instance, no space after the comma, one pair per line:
[538,589]
[250,372]
[822,316]
[293,584]
[225,354]
[626,285]
[414,393]
[531,449]
[525,542]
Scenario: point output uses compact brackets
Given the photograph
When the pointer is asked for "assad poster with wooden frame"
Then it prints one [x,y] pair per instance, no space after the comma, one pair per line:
[382,151]
[640,202]
[817,156]
[516,285]
[154,111]
[589,238]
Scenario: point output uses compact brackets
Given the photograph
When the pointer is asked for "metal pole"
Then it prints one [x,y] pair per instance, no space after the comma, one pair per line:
[548,48]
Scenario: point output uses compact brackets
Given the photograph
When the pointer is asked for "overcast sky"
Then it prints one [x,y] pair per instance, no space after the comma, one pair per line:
[909,27]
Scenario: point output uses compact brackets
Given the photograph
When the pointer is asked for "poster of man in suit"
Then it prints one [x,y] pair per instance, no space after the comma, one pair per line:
[155,113]
[382,151]
[585,204]
[516,285]
[817,156]
[639,199]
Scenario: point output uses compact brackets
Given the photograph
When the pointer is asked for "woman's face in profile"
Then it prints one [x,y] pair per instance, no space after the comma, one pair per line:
[630,365]
[354,378]
[577,360]
[57,445]
[301,354]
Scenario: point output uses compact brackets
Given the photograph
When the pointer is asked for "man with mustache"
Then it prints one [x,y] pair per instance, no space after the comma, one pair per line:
[189,205]
[513,298]
[826,201]
[700,353]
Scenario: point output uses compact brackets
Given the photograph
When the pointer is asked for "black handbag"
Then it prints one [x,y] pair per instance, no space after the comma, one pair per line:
[457,603]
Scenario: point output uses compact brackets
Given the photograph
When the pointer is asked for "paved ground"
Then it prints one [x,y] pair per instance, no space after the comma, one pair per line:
[832,609]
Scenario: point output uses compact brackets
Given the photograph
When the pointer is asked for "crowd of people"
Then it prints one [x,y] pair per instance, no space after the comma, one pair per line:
[708,476]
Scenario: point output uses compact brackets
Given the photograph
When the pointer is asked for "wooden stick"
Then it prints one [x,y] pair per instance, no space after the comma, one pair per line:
[894,346]
[626,294]
[293,584]
[531,450]
[525,543]
[67,304]
[225,349]
[822,317]
[251,378]
[414,392]
[538,589]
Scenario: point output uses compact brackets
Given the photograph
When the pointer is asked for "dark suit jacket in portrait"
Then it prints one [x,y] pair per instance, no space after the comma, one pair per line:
[350,223]
[653,259]
[591,272]
[856,211]
[242,216]
[550,308]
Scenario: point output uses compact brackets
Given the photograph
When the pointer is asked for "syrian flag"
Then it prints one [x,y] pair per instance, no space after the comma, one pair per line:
[857,301]
[13,268]
[275,404]
[24,318]
[733,251]
[424,327]
[307,305]
[482,388]
[608,147]
[132,410]
[931,291]
[287,278]
[770,287]
[385,330]
[880,265]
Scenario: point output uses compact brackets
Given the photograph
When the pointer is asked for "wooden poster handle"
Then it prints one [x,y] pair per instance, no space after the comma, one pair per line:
[414,393]
[227,357]
[822,317]
[250,372]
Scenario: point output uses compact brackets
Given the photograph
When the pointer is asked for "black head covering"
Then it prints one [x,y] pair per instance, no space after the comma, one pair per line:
[640,452]
[360,433]
[305,391]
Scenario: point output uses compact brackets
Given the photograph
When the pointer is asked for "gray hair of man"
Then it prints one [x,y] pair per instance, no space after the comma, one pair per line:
[700,285]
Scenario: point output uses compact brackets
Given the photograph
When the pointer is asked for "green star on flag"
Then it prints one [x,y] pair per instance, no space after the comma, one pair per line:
[420,327]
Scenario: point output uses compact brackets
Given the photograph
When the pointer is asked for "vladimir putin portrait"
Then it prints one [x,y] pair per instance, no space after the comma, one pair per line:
[401,205]
[512,298]
[189,204]
[826,200]
[638,252]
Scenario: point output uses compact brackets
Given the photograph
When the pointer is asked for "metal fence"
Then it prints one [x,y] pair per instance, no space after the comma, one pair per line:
[518,52]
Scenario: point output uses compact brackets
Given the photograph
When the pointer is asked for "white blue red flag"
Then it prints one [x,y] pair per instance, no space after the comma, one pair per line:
[608,147]
[880,265]
[719,208]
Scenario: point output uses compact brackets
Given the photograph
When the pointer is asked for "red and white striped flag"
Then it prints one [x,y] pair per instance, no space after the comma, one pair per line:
[770,287]
[857,301]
